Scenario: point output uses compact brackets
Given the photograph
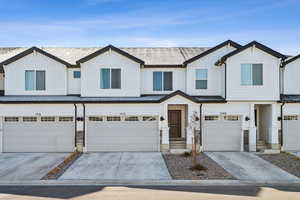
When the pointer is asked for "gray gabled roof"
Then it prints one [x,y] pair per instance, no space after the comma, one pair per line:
[151,56]
[257,45]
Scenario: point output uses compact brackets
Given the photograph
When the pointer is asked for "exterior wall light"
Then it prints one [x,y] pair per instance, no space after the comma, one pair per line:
[247,118]
[162,118]
[279,118]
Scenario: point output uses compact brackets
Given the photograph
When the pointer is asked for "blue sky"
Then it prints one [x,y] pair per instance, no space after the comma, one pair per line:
[75,23]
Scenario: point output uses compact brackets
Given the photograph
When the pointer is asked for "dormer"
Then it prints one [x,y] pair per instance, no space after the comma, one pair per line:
[35,72]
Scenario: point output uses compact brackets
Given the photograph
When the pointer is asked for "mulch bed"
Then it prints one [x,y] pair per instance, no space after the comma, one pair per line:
[179,168]
[285,161]
[57,171]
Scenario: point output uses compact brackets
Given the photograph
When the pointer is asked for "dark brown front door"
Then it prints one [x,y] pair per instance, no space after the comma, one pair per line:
[174,118]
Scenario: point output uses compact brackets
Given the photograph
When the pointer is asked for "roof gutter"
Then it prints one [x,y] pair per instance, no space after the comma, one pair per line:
[75,117]
[200,121]
[83,105]
[281,123]
[225,90]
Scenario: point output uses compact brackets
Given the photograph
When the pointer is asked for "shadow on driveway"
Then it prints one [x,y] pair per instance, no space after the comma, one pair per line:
[148,192]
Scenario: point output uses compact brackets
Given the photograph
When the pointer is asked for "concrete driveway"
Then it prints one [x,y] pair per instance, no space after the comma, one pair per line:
[119,165]
[28,166]
[248,166]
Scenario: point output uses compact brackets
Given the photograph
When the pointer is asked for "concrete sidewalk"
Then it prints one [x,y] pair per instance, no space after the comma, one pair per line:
[248,166]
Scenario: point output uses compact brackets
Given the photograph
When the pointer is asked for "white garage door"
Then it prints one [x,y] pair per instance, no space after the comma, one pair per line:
[38,134]
[221,133]
[291,133]
[116,133]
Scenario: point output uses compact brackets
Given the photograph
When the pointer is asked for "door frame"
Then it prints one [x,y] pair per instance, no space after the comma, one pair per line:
[180,122]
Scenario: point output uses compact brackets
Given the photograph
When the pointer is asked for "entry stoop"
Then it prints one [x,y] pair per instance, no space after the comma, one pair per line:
[178,144]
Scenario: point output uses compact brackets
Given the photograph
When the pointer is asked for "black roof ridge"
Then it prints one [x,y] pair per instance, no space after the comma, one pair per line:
[230,42]
[250,44]
[104,49]
[291,60]
[31,50]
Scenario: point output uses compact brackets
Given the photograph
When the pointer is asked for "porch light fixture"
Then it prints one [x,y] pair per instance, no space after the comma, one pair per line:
[197,118]
[279,118]
[162,118]
[247,118]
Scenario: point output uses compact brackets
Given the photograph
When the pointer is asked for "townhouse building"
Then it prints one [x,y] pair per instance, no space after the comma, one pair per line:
[226,98]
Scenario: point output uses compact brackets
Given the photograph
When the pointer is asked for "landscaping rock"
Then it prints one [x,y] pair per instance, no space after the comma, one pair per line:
[179,167]
[285,161]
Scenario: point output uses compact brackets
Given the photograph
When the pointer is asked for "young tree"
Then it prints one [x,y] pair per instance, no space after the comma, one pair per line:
[194,124]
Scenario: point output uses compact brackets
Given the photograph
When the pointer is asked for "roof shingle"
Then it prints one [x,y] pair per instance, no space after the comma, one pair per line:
[151,56]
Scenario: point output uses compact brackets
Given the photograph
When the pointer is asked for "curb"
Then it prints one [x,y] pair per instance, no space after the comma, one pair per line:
[147,183]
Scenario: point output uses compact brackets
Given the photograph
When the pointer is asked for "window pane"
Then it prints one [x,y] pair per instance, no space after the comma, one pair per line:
[201,74]
[201,84]
[29,80]
[157,81]
[40,80]
[246,74]
[257,72]
[105,78]
[116,78]
[76,74]
[168,81]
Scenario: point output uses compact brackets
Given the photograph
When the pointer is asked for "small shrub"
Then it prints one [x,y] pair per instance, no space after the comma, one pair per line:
[187,154]
[198,167]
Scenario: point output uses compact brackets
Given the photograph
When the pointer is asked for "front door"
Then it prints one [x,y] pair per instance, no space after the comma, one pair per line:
[174,118]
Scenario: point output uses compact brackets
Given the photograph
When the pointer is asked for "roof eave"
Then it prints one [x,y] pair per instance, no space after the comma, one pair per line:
[104,49]
[256,44]
[209,51]
[29,51]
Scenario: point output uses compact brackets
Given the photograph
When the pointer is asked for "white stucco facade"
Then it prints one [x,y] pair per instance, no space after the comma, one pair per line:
[215,74]
[258,107]
[130,75]
[179,80]
[291,78]
[56,75]
[74,84]
[269,91]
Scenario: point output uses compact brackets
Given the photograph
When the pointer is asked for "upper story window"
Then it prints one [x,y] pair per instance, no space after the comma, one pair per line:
[201,78]
[162,81]
[110,78]
[251,74]
[76,74]
[35,80]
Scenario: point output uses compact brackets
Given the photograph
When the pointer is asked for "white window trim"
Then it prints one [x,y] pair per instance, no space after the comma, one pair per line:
[110,79]
[34,80]
[201,79]
[74,74]
[162,82]
[251,85]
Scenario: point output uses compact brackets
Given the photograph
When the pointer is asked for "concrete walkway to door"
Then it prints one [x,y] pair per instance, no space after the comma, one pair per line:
[248,166]
[118,166]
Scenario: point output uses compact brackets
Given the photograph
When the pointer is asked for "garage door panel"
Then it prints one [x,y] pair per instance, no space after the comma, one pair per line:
[291,134]
[38,136]
[123,136]
[221,134]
